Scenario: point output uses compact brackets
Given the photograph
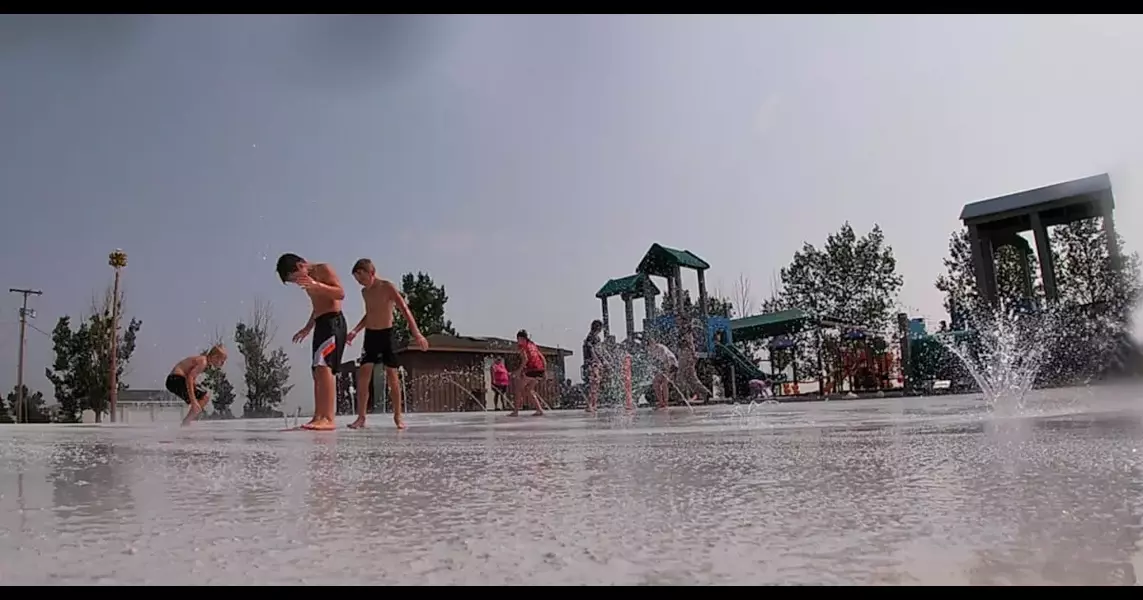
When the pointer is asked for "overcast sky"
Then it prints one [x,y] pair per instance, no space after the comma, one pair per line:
[521,161]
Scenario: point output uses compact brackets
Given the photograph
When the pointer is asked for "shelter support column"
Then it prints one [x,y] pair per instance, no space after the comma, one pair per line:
[702,293]
[678,275]
[1044,252]
[629,313]
[906,351]
[606,320]
[1105,211]
[1025,269]
[983,263]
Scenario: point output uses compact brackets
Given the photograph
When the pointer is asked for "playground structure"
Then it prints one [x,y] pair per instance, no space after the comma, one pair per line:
[857,361]
[714,345]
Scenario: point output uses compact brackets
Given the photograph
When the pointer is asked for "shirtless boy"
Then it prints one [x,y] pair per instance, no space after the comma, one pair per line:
[380,296]
[181,381]
[328,326]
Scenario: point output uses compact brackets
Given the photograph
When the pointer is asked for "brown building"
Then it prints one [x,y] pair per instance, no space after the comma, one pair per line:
[454,374]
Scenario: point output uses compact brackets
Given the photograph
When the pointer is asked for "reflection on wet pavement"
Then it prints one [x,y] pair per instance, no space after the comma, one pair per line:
[913,491]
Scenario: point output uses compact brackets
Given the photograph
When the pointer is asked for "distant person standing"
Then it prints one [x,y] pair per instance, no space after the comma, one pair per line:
[688,364]
[592,367]
[500,382]
[666,366]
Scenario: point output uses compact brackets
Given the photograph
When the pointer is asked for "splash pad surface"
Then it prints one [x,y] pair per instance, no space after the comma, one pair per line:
[910,491]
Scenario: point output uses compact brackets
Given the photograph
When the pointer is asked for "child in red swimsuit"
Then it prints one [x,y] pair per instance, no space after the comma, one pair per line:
[532,368]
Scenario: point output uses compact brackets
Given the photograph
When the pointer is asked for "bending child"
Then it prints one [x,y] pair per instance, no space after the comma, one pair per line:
[182,380]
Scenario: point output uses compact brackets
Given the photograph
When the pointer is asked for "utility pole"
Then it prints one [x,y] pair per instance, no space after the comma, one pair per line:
[21,417]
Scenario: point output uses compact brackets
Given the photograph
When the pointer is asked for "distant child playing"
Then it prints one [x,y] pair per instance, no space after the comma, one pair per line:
[500,383]
[181,381]
[381,297]
[532,371]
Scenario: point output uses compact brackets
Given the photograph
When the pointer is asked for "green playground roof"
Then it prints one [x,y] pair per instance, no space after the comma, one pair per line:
[662,261]
[769,325]
[633,285]
[783,322]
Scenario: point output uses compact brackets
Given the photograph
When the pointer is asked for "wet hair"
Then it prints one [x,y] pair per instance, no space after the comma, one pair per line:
[217,350]
[364,265]
[523,333]
[596,326]
[287,264]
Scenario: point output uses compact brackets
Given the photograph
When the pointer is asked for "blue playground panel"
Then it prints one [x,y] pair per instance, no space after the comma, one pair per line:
[666,324]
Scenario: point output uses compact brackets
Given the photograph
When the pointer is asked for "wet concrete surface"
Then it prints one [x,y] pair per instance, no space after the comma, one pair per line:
[902,491]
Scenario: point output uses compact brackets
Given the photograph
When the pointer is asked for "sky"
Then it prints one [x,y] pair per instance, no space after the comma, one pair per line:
[522,161]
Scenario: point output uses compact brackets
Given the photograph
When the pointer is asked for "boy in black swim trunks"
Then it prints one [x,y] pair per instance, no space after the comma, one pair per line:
[380,296]
[328,326]
[181,381]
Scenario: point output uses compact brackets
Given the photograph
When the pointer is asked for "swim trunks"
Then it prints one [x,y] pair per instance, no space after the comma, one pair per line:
[177,385]
[329,340]
[378,348]
[534,373]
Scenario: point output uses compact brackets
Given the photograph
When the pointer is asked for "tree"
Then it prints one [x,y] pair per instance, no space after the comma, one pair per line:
[426,301]
[72,369]
[719,307]
[33,410]
[5,418]
[1085,273]
[100,328]
[221,391]
[743,299]
[958,283]
[82,364]
[266,371]
[853,279]
[1102,293]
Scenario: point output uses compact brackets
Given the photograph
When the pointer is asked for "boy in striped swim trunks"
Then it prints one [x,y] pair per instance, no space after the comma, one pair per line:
[327,325]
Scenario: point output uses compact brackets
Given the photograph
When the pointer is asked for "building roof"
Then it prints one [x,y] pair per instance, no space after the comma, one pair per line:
[439,342]
[661,261]
[142,396]
[1096,188]
[634,285]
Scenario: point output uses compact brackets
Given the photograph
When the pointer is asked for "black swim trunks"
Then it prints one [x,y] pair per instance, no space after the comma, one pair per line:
[177,385]
[329,340]
[378,348]
[534,373]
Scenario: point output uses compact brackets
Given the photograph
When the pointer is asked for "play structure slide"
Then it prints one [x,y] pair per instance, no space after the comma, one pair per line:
[742,362]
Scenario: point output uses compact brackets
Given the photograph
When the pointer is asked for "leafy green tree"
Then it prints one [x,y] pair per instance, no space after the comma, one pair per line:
[853,279]
[33,410]
[427,302]
[5,418]
[850,278]
[1085,273]
[719,307]
[267,371]
[82,363]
